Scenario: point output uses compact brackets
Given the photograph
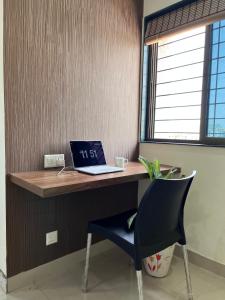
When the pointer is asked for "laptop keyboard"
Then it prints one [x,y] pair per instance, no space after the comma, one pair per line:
[99,169]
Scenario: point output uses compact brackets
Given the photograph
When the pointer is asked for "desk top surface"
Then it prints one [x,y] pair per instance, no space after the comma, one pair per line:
[47,183]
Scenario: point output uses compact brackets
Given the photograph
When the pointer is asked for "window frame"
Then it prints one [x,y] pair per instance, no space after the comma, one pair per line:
[204,140]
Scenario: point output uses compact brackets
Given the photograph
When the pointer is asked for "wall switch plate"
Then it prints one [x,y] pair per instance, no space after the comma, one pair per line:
[51,238]
[54,160]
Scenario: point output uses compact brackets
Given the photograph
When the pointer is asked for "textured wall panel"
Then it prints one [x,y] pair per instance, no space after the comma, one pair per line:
[71,72]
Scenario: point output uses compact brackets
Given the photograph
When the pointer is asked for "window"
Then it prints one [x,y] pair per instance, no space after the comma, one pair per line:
[184,87]
[216,107]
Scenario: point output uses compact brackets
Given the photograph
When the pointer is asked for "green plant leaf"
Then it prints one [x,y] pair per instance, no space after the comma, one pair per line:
[131,220]
[170,173]
[156,169]
[147,165]
[153,169]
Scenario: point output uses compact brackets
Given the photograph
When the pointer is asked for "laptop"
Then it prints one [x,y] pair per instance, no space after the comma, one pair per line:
[88,157]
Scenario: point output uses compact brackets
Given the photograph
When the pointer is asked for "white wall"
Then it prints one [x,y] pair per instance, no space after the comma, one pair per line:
[2,155]
[205,209]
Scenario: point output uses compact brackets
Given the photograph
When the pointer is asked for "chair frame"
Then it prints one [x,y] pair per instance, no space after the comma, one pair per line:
[138,272]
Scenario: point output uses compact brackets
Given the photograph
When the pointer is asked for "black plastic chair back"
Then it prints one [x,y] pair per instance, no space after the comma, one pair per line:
[159,220]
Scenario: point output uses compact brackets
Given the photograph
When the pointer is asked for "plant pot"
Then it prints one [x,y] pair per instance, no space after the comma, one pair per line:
[158,265]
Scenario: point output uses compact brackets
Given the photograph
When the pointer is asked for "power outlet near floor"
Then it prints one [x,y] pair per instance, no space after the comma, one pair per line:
[51,238]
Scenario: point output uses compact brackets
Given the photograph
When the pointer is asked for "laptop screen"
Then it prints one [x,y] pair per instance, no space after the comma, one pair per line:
[87,153]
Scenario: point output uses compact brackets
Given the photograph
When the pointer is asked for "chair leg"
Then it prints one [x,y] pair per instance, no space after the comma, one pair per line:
[187,273]
[140,284]
[85,279]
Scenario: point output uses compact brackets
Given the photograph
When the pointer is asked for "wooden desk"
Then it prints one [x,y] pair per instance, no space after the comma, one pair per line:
[47,183]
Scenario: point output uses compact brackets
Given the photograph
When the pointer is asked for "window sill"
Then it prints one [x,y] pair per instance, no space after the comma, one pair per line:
[182,144]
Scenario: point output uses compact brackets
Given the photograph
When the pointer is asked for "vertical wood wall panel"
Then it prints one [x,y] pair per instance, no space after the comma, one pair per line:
[71,72]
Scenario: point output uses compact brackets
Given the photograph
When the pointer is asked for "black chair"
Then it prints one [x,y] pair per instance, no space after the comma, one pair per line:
[158,225]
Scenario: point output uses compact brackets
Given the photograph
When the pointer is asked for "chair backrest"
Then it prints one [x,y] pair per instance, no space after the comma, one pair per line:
[160,213]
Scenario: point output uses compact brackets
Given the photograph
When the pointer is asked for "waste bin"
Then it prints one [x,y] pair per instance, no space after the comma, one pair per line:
[158,265]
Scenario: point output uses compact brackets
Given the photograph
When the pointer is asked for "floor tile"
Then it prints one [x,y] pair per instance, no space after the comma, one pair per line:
[112,277]
[30,293]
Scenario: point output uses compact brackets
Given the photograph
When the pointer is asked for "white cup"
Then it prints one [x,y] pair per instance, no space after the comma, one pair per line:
[121,162]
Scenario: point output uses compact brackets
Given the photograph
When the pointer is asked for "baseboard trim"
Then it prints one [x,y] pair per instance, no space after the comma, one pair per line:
[202,262]
[58,266]
[3,282]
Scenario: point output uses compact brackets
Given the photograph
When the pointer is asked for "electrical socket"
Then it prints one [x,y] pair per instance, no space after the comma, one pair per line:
[51,238]
[54,160]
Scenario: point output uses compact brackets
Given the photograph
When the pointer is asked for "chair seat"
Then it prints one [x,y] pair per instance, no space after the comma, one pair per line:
[115,228]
